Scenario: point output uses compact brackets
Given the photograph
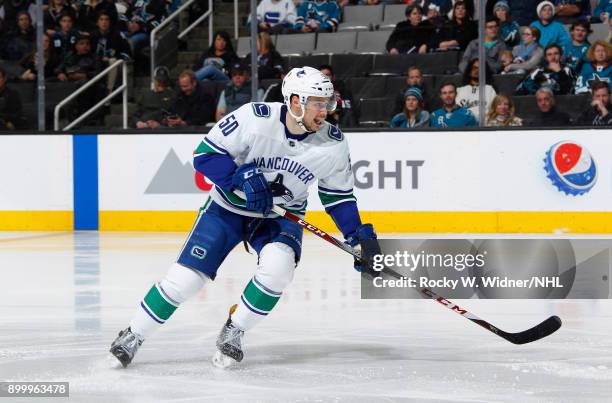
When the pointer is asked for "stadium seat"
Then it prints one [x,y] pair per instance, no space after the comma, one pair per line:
[361,18]
[335,42]
[527,109]
[268,82]
[372,42]
[367,87]
[506,83]
[396,84]
[351,65]
[393,14]
[312,61]
[295,45]
[244,46]
[375,111]
[431,63]
[600,31]
[26,90]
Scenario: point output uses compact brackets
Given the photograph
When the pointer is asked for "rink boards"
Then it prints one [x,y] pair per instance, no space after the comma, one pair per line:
[404,181]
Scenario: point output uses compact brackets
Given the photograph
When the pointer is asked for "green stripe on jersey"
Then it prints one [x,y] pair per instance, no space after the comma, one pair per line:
[158,304]
[205,148]
[327,199]
[259,298]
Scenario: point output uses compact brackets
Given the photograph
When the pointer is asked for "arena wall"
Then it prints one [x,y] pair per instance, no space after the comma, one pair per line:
[440,182]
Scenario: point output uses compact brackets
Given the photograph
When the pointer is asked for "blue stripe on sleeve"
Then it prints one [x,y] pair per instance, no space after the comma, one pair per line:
[346,217]
[218,168]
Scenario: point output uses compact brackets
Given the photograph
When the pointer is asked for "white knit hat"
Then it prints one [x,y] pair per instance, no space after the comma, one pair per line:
[545,3]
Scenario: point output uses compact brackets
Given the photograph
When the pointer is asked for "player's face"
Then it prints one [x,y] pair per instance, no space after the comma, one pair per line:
[599,54]
[545,101]
[602,95]
[315,112]
[448,95]
[579,34]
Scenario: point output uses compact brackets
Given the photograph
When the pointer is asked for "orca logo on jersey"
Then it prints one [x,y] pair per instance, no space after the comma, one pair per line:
[280,190]
[198,252]
[335,133]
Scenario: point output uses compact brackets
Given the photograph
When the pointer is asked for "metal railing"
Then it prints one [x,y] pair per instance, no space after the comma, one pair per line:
[122,88]
[207,15]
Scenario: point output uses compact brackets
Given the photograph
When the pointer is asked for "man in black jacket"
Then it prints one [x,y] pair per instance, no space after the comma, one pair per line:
[600,113]
[10,106]
[109,45]
[193,107]
[548,115]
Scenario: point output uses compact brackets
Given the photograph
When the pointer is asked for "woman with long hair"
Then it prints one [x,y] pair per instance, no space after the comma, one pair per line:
[413,114]
[412,35]
[599,68]
[502,113]
[216,61]
[51,59]
[458,32]
[270,63]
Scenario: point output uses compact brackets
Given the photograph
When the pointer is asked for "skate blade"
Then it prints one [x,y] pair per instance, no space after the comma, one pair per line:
[113,362]
[222,361]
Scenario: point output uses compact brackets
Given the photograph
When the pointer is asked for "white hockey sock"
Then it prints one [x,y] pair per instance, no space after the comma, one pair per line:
[164,297]
[274,273]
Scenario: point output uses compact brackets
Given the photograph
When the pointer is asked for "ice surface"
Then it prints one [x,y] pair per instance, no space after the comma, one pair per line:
[64,297]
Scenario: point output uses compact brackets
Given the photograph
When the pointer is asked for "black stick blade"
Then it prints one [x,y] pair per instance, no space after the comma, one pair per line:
[546,328]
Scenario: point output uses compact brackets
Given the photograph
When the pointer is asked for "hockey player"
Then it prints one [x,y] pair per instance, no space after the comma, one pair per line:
[270,153]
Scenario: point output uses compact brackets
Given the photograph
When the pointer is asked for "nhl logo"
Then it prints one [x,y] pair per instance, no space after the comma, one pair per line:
[570,168]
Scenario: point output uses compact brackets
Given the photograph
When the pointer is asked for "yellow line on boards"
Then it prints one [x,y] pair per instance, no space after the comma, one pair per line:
[36,220]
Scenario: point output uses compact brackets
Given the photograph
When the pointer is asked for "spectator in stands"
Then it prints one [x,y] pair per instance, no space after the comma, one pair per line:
[599,68]
[11,116]
[11,8]
[554,74]
[609,38]
[214,63]
[154,105]
[276,16]
[600,112]
[550,31]
[569,11]
[65,37]
[528,54]
[509,29]
[317,16]
[493,46]
[270,63]
[53,14]
[20,41]
[193,106]
[110,46]
[412,35]
[89,10]
[575,51]
[274,92]
[602,10]
[414,78]
[548,114]
[414,114]
[346,112]
[502,113]
[457,33]
[439,21]
[82,65]
[29,62]
[237,91]
[451,114]
[522,11]
[468,94]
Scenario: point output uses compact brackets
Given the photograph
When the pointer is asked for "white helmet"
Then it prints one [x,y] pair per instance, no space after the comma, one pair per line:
[307,82]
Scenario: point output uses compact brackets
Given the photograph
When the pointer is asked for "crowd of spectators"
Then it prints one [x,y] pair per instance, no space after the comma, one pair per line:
[542,43]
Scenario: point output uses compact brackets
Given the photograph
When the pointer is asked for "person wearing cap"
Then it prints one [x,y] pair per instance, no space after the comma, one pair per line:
[451,114]
[413,114]
[237,91]
[153,105]
[575,51]
[550,31]
[509,29]
[548,114]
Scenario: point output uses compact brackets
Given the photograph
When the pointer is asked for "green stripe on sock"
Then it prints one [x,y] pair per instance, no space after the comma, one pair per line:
[259,299]
[158,304]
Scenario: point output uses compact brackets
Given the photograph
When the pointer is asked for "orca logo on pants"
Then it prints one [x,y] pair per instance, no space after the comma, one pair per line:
[198,252]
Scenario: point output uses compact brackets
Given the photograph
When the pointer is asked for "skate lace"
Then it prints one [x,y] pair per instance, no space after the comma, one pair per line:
[231,335]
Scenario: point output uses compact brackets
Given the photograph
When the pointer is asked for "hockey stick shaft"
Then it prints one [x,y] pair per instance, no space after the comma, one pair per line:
[537,332]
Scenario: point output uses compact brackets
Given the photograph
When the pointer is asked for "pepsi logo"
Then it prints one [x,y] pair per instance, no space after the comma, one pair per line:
[570,168]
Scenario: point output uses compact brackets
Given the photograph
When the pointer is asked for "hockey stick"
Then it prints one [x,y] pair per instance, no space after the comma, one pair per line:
[546,328]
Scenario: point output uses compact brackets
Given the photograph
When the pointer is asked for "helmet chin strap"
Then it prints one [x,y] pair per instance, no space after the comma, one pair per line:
[298,119]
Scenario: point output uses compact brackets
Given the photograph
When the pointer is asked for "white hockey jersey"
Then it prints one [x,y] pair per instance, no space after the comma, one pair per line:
[276,12]
[467,97]
[256,132]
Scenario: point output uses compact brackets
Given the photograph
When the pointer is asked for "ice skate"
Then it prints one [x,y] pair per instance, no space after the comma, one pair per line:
[125,346]
[229,344]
